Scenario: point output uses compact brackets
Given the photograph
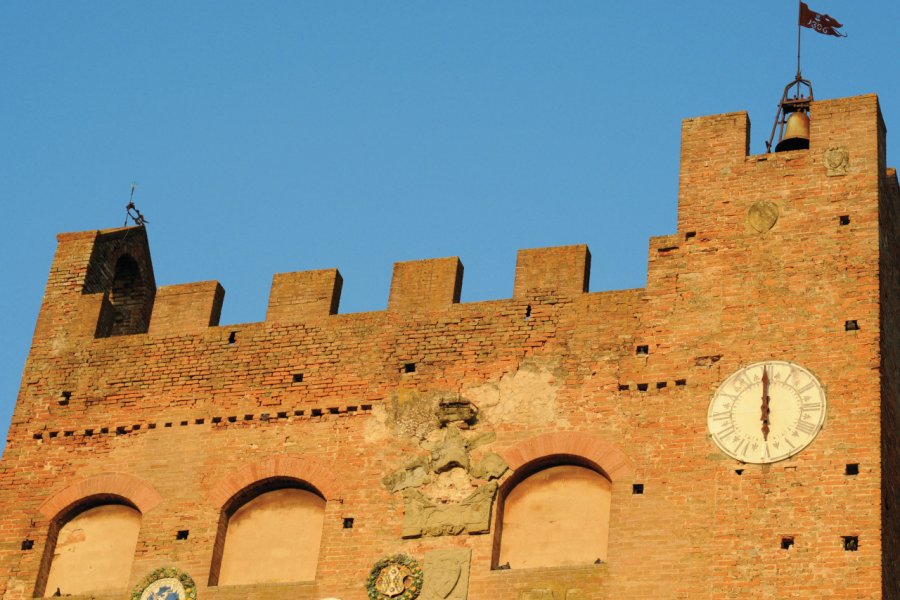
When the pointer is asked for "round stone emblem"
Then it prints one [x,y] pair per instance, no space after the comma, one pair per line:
[165,584]
[762,215]
[397,577]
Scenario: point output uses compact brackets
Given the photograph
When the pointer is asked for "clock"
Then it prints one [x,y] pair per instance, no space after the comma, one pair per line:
[766,412]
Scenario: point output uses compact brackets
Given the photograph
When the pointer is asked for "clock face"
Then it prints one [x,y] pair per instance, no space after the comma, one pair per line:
[766,412]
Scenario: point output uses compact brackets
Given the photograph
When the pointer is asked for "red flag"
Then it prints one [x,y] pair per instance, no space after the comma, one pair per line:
[821,23]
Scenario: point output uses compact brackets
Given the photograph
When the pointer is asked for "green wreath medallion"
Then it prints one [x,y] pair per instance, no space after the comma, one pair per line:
[397,577]
[167,583]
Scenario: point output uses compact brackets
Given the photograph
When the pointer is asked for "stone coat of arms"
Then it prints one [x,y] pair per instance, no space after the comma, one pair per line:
[837,161]
[397,577]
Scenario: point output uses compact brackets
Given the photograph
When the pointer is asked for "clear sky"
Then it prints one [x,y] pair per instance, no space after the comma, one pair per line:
[283,136]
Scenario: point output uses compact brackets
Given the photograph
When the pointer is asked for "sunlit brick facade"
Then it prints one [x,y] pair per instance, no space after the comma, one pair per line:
[405,431]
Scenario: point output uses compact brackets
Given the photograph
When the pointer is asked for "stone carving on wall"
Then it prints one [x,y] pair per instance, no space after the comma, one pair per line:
[762,215]
[447,574]
[837,161]
[425,517]
[447,491]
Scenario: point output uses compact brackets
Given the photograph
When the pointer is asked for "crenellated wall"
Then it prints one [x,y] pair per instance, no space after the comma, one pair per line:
[413,422]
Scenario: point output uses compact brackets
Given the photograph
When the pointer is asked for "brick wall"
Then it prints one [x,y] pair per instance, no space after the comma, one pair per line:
[182,417]
[890,385]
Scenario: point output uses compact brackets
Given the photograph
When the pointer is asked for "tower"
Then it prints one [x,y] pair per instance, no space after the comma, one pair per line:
[557,444]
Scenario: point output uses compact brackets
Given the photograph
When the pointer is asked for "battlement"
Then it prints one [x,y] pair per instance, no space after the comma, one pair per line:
[102,283]
[101,289]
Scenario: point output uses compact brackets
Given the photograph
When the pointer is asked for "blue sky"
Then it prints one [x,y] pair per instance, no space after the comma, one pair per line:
[283,136]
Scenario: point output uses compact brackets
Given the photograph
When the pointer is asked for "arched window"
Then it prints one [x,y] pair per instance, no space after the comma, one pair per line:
[269,533]
[130,300]
[90,548]
[555,513]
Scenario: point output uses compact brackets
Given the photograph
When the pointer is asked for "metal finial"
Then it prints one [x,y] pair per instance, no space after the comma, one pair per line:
[131,211]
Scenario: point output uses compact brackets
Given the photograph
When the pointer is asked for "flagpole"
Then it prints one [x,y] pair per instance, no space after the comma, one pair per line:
[798,42]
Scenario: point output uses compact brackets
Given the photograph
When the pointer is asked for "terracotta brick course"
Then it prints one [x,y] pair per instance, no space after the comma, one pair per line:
[305,469]
[139,492]
[611,460]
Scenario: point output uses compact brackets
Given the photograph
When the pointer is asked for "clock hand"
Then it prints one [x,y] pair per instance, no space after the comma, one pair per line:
[764,417]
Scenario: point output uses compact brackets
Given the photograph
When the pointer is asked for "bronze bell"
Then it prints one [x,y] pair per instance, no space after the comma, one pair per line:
[796,133]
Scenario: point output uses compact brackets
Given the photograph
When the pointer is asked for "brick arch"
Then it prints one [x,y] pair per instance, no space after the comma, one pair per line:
[609,457]
[311,470]
[134,489]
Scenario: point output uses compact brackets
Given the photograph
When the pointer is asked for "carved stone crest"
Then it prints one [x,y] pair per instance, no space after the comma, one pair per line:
[837,161]
[444,577]
[423,516]
[393,580]
[449,491]
[762,215]
[397,577]
[447,574]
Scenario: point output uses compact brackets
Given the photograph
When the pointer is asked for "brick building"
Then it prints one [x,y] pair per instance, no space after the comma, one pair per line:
[728,431]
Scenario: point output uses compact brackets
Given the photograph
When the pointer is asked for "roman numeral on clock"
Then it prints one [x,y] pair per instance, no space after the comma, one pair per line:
[806,387]
[806,427]
[725,433]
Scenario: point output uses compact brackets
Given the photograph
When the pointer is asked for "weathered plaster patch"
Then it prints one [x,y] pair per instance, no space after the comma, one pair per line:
[410,414]
[526,396]
[376,428]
